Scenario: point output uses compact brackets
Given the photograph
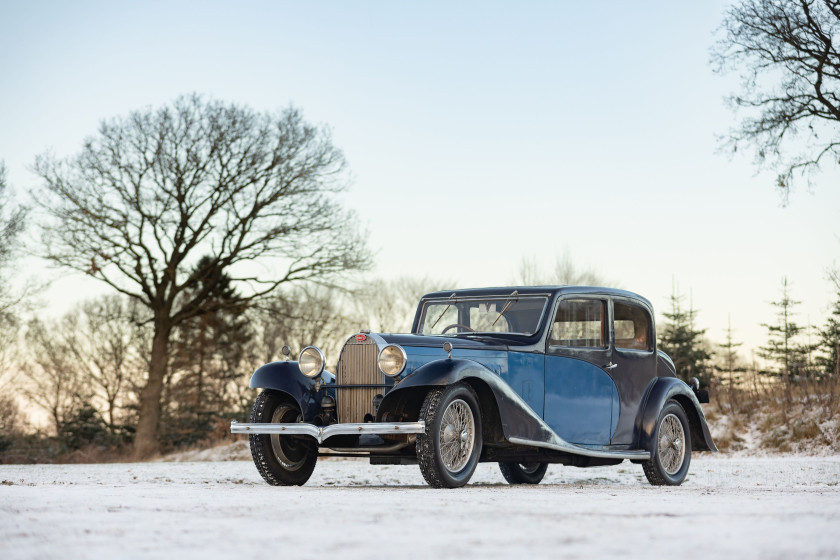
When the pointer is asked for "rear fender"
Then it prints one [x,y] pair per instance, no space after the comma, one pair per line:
[662,390]
[285,377]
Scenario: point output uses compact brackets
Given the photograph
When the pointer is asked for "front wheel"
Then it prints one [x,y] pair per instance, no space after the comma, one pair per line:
[523,473]
[449,449]
[671,453]
[281,460]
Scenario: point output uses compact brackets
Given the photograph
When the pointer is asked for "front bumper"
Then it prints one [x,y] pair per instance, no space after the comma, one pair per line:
[322,433]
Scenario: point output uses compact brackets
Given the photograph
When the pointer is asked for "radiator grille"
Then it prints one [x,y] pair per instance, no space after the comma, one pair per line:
[357,366]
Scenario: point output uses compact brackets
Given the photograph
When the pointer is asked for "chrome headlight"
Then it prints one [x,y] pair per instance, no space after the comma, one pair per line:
[311,361]
[392,360]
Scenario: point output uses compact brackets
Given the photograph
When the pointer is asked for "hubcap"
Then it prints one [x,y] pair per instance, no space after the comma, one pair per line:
[457,435]
[671,449]
[529,468]
[289,451]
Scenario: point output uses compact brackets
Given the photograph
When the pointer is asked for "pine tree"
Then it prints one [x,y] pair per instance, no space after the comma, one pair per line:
[830,338]
[729,367]
[729,358]
[683,342]
[783,350]
[207,358]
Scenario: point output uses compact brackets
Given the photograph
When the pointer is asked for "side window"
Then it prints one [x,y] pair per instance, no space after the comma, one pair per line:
[632,327]
[579,323]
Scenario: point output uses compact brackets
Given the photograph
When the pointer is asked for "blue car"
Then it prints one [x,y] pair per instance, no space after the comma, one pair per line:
[520,376]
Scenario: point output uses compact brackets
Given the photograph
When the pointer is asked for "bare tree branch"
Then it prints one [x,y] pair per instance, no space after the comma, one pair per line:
[788,56]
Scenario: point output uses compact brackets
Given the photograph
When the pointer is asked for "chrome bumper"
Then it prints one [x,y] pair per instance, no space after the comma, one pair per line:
[322,433]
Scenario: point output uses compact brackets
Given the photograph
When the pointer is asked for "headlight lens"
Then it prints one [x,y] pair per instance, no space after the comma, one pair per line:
[392,360]
[311,361]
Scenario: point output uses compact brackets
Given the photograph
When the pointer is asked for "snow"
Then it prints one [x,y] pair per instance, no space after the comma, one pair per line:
[746,507]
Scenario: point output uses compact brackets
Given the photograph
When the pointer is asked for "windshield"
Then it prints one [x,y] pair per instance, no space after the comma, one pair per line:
[510,313]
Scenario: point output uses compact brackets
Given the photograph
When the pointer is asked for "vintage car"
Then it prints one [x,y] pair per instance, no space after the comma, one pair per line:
[522,376]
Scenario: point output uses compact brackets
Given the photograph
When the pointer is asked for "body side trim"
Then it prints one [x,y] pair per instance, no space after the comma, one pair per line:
[579,450]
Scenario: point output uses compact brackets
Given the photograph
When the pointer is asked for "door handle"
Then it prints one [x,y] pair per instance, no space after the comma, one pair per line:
[610,366]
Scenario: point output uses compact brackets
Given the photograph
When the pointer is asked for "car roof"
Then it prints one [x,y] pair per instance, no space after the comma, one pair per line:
[503,291]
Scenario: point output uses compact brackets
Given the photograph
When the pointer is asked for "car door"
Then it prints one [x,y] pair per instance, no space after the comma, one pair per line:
[634,362]
[580,397]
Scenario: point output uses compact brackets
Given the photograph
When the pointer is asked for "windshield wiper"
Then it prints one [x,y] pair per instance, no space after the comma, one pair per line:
[445,309]
[507,306]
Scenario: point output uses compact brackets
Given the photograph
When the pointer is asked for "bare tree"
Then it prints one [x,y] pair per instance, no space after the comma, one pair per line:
[789,60]
[303,316]
[11,419]
[11,225]
[153,192]
[105,339]
[565,273]
[389,305]
[56,384]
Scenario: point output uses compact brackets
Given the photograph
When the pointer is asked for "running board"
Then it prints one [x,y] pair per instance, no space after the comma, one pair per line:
[585,451]
[322,433]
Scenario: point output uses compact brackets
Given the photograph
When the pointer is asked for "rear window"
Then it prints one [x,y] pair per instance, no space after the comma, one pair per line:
[632,327]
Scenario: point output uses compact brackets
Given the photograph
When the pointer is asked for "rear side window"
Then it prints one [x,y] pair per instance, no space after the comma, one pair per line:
[579,323]
[632,327]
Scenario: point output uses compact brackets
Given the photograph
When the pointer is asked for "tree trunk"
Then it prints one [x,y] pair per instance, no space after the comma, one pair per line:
[146,441]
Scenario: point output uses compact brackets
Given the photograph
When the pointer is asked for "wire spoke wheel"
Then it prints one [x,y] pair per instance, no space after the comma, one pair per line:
[671,444]
[671,447]
[457,435]
[450,448]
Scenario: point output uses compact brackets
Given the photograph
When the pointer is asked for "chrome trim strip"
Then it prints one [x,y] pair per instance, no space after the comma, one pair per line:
[321,434]
[585,451]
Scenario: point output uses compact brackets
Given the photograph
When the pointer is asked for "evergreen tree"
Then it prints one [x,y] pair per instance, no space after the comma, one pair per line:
[729,363]
[783,350]
[207,360]
[683,342]
[830,337]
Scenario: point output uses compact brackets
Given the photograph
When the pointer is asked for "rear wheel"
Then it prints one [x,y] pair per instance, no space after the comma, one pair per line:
[281,460]
[523,473]
[671,453]
[449,450]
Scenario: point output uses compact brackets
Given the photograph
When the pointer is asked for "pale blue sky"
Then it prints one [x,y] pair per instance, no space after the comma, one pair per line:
[587,125]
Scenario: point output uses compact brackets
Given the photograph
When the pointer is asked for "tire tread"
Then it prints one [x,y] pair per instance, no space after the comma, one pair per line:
[652,469]
[427,456]
[262,452]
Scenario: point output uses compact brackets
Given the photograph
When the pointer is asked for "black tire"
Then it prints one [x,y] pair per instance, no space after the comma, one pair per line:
[281,460]
[670,456]
[449,450]
[523,473]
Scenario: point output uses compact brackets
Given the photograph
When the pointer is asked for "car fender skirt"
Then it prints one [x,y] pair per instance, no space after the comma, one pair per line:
[662,390]
[520,424]
[285,377]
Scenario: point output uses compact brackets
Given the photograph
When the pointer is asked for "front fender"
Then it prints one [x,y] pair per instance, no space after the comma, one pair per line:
[662,390]
[286,377]
[517,419]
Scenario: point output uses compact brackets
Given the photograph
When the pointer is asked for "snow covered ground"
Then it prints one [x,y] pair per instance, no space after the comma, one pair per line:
[768,507]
